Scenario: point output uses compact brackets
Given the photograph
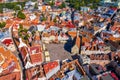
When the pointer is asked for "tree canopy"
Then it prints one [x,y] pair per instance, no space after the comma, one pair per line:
[63,5]
[52,3]
[11,5]
[21,15]
[33,0]
[80,3]
[17,8]
[36,6]
[22,32]
[2,25]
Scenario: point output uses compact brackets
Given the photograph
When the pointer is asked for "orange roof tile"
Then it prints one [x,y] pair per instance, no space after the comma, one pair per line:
[9,57]
[72,33]
[49,66]
[78,42]
[30,72]
[35,22]
[23,52]
[37,37]
[35,48]
[1,58]
[6,64]
[43,8]
[2,49]
[36,58]
[7,53]
[11,76]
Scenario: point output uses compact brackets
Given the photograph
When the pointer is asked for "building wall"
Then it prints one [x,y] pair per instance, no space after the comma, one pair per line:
[118,3]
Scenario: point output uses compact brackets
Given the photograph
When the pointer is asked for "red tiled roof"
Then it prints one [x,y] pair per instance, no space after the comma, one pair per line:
[58,3]
[24,52]
[36,48]
[49,66]
[70,25]
[115,28]
[36,58]
[11,76]
[30,73]
[99,57]
[7,42]
[114,8]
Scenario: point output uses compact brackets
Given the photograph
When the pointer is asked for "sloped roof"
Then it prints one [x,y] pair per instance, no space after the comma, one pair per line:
[36,58]
[49,66]
[9,63]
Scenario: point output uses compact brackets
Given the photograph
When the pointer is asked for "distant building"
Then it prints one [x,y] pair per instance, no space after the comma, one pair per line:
[10,68]
[70,70]
[115,2]
[106,0]
[30,5]
[3,1]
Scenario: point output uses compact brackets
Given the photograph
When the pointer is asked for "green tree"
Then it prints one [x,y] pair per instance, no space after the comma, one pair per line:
[22,32]
[10,5]
[52,3]
[36,6]
[2,25]
[79,3]
[33,33]
[16,7]
[76,5]
[21,15]
[33,0]
[20,26]
[14,14]
[55,20]
[43,17]
[63,5]
[26,37]
[1,10]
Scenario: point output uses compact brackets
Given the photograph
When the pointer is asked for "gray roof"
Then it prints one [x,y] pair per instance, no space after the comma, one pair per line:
[107,77]
[32,28]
